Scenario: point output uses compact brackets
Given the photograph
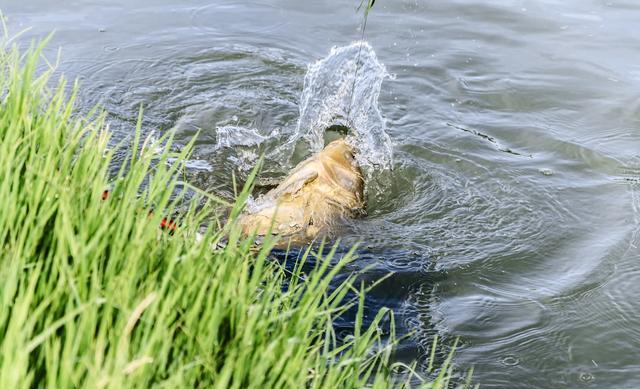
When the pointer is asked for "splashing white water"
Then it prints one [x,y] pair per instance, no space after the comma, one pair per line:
[343,89]
[231,136]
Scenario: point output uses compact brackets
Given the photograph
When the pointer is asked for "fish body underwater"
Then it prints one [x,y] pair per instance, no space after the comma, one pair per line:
[312,200]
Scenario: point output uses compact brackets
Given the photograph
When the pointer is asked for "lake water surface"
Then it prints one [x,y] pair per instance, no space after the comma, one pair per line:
[511,214]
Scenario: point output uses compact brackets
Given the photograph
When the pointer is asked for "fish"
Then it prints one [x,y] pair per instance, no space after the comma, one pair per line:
[316,197]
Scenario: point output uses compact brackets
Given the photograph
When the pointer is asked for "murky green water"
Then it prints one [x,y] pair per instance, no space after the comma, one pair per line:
[512,218]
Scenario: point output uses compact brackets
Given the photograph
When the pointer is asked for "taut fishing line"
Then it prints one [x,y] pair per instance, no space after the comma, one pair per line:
[355,75]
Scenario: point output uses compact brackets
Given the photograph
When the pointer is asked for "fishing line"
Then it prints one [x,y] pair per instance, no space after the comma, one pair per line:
[355,76]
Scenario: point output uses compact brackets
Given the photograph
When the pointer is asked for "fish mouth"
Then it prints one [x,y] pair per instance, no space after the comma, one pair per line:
[336,131]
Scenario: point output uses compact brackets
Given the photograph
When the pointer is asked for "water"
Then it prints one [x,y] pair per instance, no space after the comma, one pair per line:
[511,213]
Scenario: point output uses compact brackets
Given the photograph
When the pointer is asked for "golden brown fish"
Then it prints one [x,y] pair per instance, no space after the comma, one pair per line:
[311,200]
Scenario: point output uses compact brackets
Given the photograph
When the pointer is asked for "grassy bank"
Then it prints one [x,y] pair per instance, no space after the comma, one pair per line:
[95,294]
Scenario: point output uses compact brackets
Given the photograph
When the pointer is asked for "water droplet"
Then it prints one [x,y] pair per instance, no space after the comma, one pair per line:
[546,171]
[510,360]
[586,377]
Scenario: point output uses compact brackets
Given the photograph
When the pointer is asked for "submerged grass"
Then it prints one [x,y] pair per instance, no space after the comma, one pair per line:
[95,294]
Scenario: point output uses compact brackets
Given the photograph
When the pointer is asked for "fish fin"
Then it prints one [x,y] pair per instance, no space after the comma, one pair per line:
[294,183]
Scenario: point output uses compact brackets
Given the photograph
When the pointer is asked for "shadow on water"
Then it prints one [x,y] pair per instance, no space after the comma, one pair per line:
[391,290]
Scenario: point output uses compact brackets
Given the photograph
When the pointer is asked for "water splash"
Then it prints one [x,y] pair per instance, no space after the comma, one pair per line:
[340,89]
[231,136]
[331,96]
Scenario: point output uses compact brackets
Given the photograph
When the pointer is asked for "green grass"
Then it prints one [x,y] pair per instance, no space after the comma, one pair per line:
[95,294]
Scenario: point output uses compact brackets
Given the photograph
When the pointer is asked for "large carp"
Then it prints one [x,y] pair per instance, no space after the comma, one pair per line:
[312,200]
